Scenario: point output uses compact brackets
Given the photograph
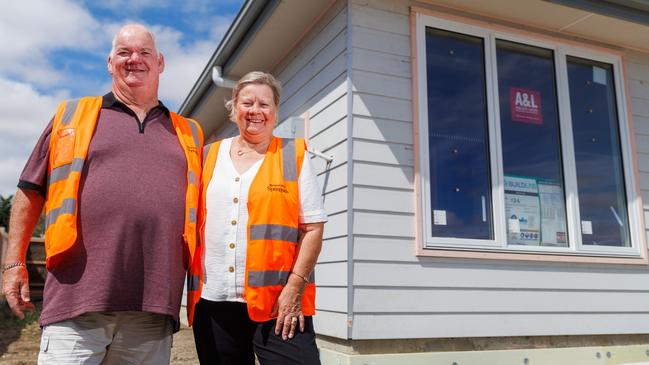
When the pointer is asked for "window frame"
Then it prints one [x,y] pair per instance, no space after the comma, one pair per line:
[428,245]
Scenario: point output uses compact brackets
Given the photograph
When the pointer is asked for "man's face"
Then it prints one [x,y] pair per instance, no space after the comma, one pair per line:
[135,62]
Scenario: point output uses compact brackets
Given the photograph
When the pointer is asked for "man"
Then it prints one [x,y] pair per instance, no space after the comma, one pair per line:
[118,177]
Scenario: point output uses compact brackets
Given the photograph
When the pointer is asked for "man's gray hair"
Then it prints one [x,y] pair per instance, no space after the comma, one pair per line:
[114,43]
[257,78]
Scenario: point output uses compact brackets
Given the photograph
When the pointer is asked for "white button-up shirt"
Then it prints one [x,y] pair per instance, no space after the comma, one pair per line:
[226,236]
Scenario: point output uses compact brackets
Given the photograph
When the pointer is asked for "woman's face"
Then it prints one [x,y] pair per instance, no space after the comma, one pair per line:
[256,112]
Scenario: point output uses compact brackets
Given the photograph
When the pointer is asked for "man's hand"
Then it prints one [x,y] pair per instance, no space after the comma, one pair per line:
[25,210]
[15,287]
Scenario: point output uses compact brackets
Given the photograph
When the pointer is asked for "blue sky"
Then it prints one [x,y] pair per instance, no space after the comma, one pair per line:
[57,49]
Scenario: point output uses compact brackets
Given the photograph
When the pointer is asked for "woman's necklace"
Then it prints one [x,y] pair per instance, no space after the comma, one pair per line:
[240,151]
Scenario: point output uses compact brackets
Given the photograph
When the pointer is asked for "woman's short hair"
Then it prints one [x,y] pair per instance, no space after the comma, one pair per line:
[256,78]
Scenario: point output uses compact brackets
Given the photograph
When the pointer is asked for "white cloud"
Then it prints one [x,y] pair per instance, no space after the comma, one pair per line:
[221,25]
[29,29]
[182,68]
[11,169]
[130,6]
[24,113]
[183,65]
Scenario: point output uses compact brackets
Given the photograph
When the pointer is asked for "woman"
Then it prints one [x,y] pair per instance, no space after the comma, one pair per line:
[262,220]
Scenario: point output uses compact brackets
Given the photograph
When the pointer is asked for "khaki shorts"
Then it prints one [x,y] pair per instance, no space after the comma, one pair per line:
[108,338]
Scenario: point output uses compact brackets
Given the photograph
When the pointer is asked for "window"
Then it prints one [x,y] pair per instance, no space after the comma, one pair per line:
[459,163]
[524,145]
[598,158]
[531,145]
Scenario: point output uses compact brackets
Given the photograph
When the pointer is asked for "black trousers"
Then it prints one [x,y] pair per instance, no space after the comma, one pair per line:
[224,334]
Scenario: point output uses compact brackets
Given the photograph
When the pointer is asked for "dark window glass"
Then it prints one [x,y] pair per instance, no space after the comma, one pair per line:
[600,181]
[457,136]
[531,147]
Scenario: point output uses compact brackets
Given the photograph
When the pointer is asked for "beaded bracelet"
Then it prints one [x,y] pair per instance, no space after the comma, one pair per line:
[12,265]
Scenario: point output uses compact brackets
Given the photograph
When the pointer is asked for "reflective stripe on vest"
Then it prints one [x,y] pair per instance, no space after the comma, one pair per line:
[70,108]
[289,168]
[69,206]
[72,130]
[273,232]
[273,203]
[63,172]
[270,277]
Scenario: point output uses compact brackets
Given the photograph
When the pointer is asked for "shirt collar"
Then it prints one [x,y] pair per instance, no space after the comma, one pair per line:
[109,101]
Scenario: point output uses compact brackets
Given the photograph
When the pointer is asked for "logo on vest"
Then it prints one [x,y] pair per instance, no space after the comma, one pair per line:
[280,188]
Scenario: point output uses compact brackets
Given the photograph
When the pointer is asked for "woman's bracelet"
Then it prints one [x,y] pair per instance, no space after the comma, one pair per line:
[300,276]
[12,265]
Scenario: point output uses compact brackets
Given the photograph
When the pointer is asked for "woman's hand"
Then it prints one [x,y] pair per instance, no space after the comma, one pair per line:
[289,308]
[289,304]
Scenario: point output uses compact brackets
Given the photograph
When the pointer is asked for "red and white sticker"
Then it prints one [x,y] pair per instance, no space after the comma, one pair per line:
[525,105]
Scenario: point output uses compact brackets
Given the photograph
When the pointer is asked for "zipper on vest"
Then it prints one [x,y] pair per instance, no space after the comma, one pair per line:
[140,125]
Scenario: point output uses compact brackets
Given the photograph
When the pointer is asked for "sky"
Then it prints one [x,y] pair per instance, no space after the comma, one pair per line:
[57,49]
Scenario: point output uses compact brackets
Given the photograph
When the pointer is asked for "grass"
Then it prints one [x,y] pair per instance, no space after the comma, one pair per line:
[19,341]
[9,320]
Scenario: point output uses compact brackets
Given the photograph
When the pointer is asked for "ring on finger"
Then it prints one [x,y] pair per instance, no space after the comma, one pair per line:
[294,319]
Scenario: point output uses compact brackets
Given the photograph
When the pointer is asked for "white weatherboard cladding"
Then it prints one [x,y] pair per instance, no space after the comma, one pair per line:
[334,179]
[335,250]
[337,226]
[642,142]
[314,80]
[330,323]
[383,130]
[399,295]
[334,298]
[336,201]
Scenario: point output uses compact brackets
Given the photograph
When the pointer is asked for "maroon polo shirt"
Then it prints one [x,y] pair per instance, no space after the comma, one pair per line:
[129,251]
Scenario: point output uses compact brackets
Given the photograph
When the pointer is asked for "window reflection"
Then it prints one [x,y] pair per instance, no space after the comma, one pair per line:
[602,203]
[531,148]
[457,135]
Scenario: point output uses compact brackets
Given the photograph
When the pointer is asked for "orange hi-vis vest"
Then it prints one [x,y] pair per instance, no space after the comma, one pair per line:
[273,232]
[72,129]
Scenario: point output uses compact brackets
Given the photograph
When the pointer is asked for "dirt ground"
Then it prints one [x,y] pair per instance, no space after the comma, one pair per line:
[19,341]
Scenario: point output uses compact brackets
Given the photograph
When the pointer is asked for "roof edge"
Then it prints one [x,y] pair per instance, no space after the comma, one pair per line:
[251,11]
[630,10]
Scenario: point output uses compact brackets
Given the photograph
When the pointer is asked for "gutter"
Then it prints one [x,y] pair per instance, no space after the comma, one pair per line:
[221,81]
[251,16]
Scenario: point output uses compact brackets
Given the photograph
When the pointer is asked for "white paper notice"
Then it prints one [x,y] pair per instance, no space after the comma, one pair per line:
[599,75]
[439,217]
[553,216]
[514,226]
[522,206]
[586,227]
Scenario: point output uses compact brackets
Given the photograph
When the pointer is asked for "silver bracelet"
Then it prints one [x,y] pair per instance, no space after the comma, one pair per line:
[12,265]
